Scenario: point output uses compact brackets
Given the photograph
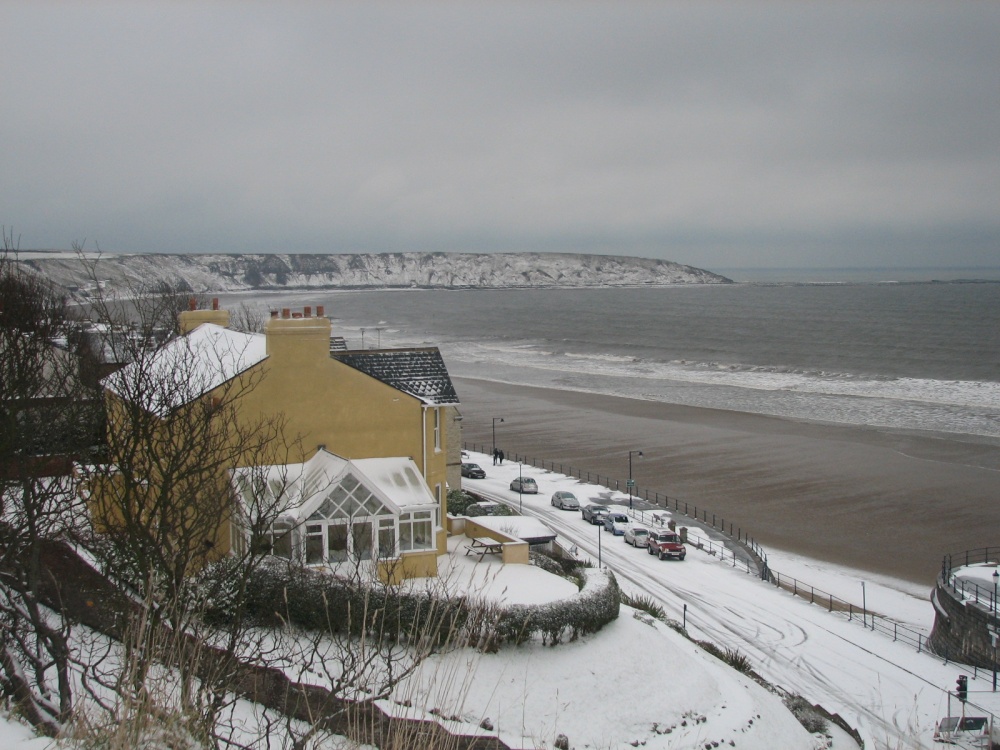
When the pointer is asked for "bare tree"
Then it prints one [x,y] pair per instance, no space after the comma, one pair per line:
[48,418]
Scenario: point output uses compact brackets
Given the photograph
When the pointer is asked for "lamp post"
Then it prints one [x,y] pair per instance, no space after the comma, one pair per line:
[495,420]
[520,489]
[864,606]
[631,482]
[378,344]
[996,633]
[362,338]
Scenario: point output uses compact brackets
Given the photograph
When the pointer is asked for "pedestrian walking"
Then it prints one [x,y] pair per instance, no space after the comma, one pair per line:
[496,455]
[501,458]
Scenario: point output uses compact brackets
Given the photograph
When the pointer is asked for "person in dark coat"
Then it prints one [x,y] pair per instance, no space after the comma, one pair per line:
[501,458]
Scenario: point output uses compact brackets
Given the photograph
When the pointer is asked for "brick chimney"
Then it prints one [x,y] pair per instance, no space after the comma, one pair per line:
[298,336]
[190,319]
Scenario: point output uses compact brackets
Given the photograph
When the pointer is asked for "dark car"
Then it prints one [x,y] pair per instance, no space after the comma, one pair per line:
[473,471]
[594,513]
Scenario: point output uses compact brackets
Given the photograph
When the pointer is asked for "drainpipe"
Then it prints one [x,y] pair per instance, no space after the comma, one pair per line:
[423,447]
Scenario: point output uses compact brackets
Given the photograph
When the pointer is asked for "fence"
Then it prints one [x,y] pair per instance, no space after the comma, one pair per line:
[680,506]
[876,622]
[970,590]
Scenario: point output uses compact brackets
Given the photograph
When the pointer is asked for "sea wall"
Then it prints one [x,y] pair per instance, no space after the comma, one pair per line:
[961,626]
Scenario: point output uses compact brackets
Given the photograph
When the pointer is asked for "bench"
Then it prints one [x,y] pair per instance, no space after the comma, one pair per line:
[483,546]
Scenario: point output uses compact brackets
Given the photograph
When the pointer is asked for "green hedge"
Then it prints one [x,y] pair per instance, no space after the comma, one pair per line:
[282,593]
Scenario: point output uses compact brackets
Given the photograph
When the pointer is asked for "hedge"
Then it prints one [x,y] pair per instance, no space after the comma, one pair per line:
[284,593]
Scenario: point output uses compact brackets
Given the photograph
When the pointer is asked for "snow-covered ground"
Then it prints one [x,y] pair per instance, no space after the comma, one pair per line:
[891,693]
[638,681]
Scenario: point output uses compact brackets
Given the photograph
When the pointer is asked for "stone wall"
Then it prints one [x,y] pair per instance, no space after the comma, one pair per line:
[961,628]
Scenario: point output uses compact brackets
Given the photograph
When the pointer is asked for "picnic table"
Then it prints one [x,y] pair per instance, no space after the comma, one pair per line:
[483,546]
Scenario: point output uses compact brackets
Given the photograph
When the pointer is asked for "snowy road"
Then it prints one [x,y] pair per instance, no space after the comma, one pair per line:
[889,692]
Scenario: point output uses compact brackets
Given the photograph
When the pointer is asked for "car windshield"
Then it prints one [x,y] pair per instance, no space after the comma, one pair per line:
[617,519]
[639,532]
[527,482]
[471,466]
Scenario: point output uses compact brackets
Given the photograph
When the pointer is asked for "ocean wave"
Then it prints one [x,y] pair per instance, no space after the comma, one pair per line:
[602,357]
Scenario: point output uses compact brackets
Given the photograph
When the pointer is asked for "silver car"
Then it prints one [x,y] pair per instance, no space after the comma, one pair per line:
[524,485]
[637,536]
[565,501]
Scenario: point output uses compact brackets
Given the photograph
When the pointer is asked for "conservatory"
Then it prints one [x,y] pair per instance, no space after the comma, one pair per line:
[331,510]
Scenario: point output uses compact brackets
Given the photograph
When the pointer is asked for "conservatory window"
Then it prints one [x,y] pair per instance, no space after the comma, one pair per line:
[336,535]
[314,544]
[386,538]
[277,540]
[416,530]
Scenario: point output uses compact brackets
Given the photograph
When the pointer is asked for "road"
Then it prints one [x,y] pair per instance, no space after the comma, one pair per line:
[890,693]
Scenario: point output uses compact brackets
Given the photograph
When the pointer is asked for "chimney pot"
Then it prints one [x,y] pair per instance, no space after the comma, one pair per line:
[215,303]
[192,304]
[319,311]
[274,313]
[286,313]
[308,311]
[296,315]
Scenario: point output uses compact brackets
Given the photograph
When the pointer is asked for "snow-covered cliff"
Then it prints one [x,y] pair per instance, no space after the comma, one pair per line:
[231,273]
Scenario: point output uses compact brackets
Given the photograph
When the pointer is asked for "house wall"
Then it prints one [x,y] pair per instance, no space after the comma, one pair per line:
[331,404]
[328,403]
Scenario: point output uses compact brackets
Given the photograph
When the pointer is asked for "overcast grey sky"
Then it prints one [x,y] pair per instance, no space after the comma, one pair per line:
[718,134]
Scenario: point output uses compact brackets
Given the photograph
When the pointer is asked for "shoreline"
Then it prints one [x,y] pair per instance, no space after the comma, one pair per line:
[892,502]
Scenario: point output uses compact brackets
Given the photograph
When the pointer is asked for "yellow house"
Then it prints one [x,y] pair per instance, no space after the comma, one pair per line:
[348,407]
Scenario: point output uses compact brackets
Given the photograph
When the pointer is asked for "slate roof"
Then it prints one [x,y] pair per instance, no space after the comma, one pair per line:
[420,373]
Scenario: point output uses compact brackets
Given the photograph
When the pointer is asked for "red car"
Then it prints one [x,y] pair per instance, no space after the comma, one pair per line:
[666,544]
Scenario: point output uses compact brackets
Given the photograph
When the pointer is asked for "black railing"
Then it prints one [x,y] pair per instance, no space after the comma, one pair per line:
[985,596]
[875,622]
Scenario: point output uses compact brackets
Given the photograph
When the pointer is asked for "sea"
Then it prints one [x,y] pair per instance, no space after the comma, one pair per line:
[909,349]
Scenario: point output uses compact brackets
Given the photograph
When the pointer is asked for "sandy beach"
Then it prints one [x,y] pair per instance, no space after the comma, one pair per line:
[886,501]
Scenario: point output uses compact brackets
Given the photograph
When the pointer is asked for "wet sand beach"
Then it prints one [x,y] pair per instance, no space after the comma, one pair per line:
[886,501]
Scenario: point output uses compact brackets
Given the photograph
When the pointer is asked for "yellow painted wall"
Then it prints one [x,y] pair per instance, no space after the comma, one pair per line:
[331,404]
[327,403]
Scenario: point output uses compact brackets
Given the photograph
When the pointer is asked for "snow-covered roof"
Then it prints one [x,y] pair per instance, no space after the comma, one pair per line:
[301,488]
[397,478]
[188,367]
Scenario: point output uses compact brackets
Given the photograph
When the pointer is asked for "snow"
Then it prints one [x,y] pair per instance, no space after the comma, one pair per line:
[191,365]
[637,678]
[208,273]
[522,527]
[889,692]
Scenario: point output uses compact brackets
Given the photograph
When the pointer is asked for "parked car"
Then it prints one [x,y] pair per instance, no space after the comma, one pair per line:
[565,500]
[594,514]
[524,485]
[473,471]
[616,522]
[637,536]
[665,544]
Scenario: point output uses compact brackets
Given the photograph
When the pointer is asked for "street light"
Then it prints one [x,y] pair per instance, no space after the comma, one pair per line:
[631,482]
[495,420]
[996,633]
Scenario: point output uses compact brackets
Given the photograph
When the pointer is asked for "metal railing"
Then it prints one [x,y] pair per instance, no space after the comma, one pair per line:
[876,622]
[985,596]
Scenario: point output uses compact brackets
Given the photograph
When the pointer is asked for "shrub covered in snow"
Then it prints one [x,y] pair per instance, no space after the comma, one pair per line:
[281,593]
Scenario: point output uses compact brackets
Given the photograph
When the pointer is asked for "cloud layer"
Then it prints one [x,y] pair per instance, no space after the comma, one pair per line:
[716,134]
